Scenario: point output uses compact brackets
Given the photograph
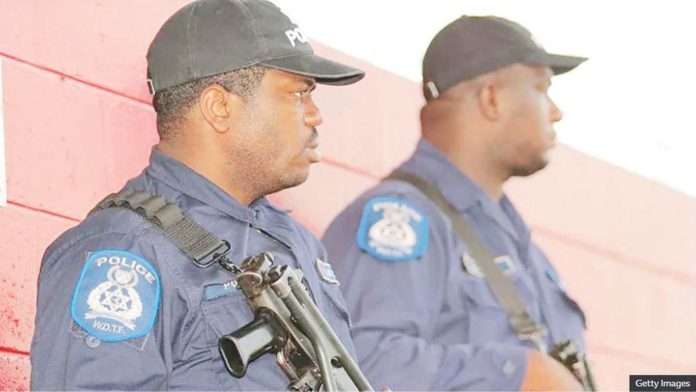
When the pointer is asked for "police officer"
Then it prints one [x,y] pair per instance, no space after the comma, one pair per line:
[120,306]
[424,316]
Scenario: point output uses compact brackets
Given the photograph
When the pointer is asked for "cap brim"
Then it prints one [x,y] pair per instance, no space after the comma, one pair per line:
[560,64]
[323,70]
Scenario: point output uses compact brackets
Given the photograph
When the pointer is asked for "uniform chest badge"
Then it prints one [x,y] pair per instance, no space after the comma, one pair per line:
[217,290]
[506,264]
[325,271]
[117,296]
[392,229]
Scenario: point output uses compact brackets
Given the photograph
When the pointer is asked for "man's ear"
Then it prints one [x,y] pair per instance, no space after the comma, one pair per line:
[218,106]
[488,96]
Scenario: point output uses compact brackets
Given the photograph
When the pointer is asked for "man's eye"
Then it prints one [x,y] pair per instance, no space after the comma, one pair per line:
[303,93]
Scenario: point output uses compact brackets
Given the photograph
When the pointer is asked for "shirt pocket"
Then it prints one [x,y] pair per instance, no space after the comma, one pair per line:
[225,315]
[337,315]
[572,304]
[570,316]
[487,319]
[338,306]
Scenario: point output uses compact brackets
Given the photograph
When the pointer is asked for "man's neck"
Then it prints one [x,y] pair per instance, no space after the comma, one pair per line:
[475,164]
[205,165]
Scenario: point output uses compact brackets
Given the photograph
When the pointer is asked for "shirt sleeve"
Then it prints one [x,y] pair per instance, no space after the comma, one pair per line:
[65,355]
[393,305]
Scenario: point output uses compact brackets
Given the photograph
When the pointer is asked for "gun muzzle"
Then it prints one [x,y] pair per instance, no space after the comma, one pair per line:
[260,336]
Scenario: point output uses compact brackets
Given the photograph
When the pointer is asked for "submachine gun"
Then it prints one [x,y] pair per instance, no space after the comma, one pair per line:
[288,324]
[568,354]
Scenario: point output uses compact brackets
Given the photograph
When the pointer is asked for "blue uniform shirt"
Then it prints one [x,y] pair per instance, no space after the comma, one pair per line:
[423,316]
[121,307]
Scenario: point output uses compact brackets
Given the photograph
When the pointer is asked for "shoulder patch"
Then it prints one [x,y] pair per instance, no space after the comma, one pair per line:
[117,296]
[392,229]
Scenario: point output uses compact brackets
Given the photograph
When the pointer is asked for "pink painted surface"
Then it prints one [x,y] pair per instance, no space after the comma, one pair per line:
[323,196]
[614,211]
[25,235]
[14,372]
[78,124]
[83,143]
[372,125]
[101,42]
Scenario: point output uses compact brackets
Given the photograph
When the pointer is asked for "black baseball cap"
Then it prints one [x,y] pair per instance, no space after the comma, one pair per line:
[474,45]
[210,37]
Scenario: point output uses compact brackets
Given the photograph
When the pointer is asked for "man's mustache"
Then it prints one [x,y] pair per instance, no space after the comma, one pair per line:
[315,135]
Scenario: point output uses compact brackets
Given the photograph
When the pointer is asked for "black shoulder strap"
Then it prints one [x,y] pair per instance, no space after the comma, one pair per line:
[504,290]
[199,244]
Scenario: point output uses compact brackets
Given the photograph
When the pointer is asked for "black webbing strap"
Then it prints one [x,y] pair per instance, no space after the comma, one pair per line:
[194,240]
[504,290]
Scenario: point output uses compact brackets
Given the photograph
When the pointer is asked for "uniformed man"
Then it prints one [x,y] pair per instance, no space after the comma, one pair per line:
[120,306]
[424,315]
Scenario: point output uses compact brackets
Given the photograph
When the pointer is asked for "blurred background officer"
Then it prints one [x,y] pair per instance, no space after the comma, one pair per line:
[424,316]
[120,306]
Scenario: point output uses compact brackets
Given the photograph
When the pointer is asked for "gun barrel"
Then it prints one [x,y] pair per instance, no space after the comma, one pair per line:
[310,329]
[346,360]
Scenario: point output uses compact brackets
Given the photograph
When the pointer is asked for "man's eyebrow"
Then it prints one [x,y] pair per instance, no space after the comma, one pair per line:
[544,76]
[544,73]
[311,84]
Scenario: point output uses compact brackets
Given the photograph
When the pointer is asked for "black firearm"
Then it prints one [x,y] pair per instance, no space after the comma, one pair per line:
[288,324]
[568,354]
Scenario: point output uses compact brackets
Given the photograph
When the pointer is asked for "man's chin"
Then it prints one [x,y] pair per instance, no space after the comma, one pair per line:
[294,178]
[313,155]
[528,170]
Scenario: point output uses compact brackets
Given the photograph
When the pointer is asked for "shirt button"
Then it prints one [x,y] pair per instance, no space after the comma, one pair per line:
[92,342]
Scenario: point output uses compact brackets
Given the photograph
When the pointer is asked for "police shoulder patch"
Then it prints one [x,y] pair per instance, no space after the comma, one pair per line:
[393,229]
[117,296]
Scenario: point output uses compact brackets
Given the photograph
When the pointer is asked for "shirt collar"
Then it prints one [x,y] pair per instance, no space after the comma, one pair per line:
[509,219]
[187,181]
[460,191]
[431,164]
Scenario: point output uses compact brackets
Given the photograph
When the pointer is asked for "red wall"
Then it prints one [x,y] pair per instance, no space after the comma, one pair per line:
[78,123]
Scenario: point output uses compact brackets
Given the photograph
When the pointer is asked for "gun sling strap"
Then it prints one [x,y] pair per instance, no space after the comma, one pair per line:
[203,247]
[524,325]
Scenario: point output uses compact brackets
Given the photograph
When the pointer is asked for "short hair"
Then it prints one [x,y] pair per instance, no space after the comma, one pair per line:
[172,104]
